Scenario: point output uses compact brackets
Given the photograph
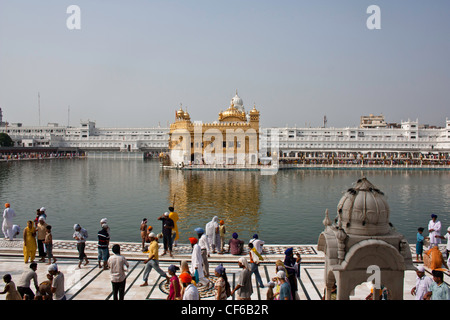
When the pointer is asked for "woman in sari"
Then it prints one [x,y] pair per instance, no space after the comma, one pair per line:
[29,242]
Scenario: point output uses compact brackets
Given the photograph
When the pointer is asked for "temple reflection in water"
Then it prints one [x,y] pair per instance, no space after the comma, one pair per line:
[200,195]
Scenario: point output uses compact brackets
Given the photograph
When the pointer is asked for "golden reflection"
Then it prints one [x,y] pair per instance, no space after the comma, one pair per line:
[233,196]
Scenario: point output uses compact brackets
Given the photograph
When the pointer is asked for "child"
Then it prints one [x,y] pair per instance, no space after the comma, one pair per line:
[270,290]
[419,244]
[49,245]
[174,288]
[10,289]
[45,289]
[222,232]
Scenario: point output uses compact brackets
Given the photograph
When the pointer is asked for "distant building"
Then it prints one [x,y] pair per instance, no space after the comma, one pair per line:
[372,121]
[88,137]
[246,142]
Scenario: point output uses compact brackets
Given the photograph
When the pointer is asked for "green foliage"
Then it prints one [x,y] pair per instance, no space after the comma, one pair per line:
[5,140]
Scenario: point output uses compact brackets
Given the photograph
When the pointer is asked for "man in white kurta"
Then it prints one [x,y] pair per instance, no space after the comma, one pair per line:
[197,264]
[191,293]
[434,228]
[423,284]
[7,226]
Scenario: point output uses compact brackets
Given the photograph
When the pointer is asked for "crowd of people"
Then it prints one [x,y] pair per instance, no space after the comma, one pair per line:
[37,239]
[210,240]
[26,155]
[434,288]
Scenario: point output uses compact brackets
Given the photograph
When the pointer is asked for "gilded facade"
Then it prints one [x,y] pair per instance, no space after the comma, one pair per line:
[232,139]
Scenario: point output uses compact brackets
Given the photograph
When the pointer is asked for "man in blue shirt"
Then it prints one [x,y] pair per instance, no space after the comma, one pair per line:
[285,288]
[438,289]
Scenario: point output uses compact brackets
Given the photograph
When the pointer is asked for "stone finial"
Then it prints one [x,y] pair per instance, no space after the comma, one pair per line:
[326,222]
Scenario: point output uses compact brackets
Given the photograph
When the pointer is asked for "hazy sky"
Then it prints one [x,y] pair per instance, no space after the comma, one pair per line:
[133,62]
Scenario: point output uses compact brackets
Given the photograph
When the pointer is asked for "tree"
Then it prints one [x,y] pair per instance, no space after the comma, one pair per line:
[5,140]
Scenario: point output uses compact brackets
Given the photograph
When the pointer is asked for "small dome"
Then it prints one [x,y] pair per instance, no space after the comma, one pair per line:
[180,113]
[254,111]
[237,101]
[364,210]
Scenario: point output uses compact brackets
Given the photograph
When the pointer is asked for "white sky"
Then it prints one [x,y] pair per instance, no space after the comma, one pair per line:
[133,62]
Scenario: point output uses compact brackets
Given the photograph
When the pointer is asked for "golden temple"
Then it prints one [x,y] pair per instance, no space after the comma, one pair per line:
[233,139]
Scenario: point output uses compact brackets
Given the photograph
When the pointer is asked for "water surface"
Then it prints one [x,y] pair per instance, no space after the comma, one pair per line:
[286,208]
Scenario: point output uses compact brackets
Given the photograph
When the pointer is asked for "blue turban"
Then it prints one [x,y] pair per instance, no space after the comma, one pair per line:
[255,236]
[433,216]
[235,235]
[289,251]
[199,230]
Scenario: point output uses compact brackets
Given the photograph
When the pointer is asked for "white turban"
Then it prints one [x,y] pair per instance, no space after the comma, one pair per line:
[52,267]
[281,274]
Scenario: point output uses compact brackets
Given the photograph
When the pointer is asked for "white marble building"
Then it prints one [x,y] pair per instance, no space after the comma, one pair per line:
[408,138]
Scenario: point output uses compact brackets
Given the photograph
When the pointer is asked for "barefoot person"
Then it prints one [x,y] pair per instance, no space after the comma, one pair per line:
[152,262]
[81,235]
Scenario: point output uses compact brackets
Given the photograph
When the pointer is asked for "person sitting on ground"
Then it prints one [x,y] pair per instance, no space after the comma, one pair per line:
[433,259]
[235,246]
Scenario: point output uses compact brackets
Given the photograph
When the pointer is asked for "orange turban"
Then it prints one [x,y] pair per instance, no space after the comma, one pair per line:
[193,240]
[221,222]
[7,205]
[185,277]
[150,228]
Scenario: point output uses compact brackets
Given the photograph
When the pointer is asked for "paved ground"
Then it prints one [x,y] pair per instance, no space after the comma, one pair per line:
[92,283]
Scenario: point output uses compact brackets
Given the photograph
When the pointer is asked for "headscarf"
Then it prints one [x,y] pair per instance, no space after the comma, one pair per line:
[212,225]
[184,266]
[220,269]
[244,262]
[280,266]
[173,268]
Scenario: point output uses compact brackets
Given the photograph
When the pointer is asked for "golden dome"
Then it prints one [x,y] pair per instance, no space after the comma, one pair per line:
[180,113]
[232,114]
[254,110]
